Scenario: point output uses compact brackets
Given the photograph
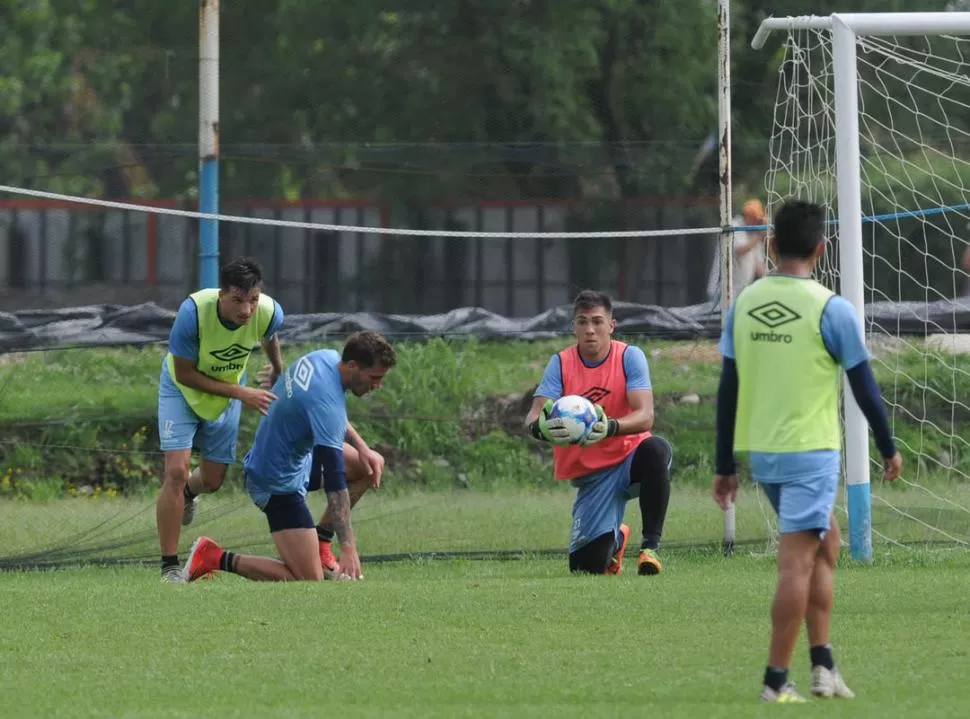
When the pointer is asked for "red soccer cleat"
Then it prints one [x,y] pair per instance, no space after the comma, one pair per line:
[327,559]
[616,563]
[204,557]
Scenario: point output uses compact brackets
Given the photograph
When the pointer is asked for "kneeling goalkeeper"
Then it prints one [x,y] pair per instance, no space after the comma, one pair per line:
[620,458]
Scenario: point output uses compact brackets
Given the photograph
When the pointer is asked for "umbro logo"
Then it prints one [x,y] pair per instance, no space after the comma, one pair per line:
[231,353]
[596,394]
[774,314]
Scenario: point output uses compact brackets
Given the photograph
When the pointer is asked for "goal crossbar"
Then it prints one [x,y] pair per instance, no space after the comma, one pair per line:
[861,24]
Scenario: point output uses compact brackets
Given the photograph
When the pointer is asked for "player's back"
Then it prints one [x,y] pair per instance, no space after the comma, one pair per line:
[309,393]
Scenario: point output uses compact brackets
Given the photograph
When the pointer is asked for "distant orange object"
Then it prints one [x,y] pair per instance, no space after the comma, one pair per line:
[754,209]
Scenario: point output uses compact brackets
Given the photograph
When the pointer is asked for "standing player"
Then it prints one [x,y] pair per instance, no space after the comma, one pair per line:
[619,459]
[784,342]
[200,392]
[298,445]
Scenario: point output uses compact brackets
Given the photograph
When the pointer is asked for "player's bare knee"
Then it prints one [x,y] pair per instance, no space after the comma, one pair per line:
[831,545]
[176,477]
[312,572]
[213,475]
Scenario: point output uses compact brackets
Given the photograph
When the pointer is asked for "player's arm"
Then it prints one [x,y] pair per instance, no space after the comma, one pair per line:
[329,462]
[725,488]
[372,461]
[271,345]
[639,396]
[843,338]
[537,420]
[640,418]
[354,439]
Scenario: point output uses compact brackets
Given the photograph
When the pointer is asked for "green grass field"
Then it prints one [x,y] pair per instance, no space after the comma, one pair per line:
[461,637]
[467,608]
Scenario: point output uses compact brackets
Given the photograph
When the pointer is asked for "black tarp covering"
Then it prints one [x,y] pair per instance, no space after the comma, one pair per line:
[114,325]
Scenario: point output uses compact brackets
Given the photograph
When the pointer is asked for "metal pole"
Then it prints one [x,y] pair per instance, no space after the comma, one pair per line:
[724,176]
[852,280]
[209,141]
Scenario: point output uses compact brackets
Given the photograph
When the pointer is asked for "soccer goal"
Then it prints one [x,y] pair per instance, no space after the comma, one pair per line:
[872,119]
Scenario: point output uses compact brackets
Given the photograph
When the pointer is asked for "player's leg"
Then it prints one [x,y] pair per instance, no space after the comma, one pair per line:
[827,680]
[168,509]
[358,482]
[291,526]
[598,538]
[650,481]
[593,557]
[217,444]
[177,427]
[804,509]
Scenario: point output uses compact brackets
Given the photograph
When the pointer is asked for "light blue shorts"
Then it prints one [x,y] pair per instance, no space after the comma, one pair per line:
[804,504]
[600,504]
[181,428]
[801,486]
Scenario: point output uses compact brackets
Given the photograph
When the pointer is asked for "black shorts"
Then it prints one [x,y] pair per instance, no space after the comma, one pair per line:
[288,511]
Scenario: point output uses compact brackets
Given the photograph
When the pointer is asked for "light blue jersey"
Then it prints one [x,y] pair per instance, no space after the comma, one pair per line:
[843,339]
[801,486]
[310,409]
[183,339]
[634,364]
[178,426]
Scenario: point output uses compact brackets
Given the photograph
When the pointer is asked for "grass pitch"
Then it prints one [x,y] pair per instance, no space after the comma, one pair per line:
[460,637]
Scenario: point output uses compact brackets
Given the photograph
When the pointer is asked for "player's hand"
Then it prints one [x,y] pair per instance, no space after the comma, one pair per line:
[892,468]
[554,430]
[725,490]
[600,429]
[257,399]
[349,563]
[374,466]
[267,377]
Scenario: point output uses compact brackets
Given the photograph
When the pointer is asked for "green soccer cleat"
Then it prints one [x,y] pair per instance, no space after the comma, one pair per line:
[786,695]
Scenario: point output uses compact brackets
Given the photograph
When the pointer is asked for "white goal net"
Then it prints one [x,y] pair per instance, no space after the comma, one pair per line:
[914,164]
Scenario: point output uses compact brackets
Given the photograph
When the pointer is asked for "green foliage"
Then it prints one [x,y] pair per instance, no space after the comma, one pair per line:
[448,416]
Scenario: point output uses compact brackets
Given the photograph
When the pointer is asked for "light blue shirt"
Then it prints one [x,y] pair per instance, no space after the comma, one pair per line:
[634,364]
[310,409]
[843,339]
[183,338]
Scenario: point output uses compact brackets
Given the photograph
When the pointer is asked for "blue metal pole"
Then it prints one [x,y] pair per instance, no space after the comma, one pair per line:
[209,141]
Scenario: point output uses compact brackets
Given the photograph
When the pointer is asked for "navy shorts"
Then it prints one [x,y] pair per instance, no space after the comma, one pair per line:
[288,511]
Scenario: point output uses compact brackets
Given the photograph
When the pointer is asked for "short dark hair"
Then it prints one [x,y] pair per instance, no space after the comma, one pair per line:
[591,299]
[243,273]
[799,228]
[367,349]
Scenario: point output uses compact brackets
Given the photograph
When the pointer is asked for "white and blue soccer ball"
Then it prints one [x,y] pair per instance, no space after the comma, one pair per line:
[578,415]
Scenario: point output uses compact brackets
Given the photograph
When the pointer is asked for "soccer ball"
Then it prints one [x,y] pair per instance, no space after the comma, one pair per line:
[578,415]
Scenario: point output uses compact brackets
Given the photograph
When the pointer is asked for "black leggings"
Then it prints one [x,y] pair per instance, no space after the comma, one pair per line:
[650,472]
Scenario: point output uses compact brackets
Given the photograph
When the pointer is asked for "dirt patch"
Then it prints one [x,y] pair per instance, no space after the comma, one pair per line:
[13,358]
[505,412]
[688,353]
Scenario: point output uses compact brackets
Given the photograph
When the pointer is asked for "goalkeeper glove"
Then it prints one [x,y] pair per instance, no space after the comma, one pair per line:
[549,430]
[602,428]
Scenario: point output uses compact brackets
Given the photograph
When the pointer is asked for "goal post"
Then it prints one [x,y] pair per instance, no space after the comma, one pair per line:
[844,32]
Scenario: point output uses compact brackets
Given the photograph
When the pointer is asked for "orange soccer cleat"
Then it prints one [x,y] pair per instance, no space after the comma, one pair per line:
[616,563]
